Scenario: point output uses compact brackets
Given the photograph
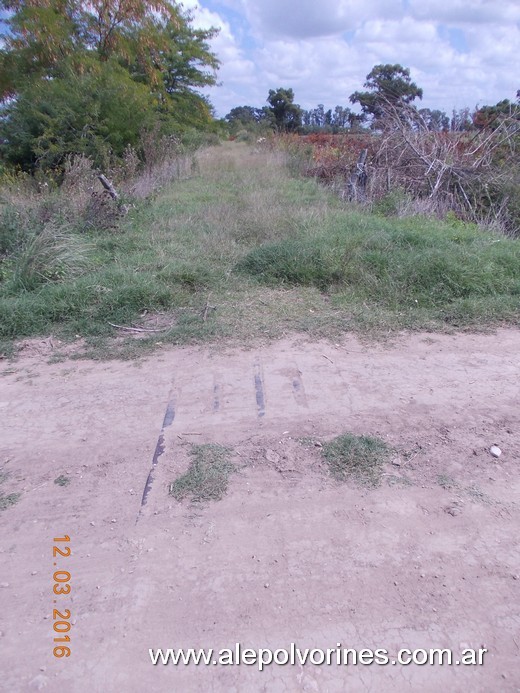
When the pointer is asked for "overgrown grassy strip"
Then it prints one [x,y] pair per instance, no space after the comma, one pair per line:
[243,250]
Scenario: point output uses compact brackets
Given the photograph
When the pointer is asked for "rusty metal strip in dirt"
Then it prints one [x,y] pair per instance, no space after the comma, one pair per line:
[298,389]
[259,390]
[169,417]
[216,396]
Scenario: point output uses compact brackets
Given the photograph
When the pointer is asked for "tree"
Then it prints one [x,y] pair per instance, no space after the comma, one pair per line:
[492,116]
[148,52]
[97,114]
[435,120]
[387,86]
[246,115]
[461,120]
[287,115]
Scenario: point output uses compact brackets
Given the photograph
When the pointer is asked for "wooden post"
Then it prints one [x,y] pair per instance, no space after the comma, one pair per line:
[108,186]
[358,178]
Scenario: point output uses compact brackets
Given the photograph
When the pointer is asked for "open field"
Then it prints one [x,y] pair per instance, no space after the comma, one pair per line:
[240,250]
[426,558]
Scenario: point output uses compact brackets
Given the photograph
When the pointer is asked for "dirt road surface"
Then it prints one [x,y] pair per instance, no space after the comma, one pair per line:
[430,559]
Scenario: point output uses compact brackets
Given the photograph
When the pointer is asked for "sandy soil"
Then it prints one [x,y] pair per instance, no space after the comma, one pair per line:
[428,559]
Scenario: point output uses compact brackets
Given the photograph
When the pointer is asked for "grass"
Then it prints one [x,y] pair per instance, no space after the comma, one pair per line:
[357,458]
[62,480]
[446,482]
[7,500]
[274,254]
[207,476]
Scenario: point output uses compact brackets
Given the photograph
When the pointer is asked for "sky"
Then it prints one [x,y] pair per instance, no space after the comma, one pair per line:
[460,52]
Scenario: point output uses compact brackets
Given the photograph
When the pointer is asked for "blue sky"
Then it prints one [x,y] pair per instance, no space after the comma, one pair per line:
[461,52]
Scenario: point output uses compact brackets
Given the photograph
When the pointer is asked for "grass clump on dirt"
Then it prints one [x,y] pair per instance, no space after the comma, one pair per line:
[359,458]
[62,480]
[7,500]
[207,476]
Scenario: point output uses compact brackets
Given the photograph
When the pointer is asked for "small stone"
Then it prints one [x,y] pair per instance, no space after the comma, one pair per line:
[318,444]
[422,575]
[113,520]
[34,572]
[266,585]
[4,584]
[516,577]
[495,451]
[93,524]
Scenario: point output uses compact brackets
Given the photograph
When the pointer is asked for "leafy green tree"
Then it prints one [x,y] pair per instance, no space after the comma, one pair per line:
[435,120]
[387,86]
[97,114]
[77,77]
[246,115]
[492,116]
[286,114]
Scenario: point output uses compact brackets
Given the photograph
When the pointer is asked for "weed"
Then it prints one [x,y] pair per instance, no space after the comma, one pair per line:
[207,476]
[62,480]
[446,482]
[9,500]
[360,458]
[395,480]
[51,255]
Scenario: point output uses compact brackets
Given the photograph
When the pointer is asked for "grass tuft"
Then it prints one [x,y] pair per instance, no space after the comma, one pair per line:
[360,458]
[9,500]
[207,476]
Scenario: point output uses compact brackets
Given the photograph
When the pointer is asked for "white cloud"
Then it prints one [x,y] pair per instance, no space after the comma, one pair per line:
[461,53]
[308,18]
[466,11]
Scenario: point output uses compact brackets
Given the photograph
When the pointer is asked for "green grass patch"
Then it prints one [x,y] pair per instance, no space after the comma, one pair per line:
[357,458]
[207,476]
[62,480]
[273,254]
[6,501]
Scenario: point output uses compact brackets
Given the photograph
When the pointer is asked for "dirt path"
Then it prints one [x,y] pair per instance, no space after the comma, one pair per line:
[429,559]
